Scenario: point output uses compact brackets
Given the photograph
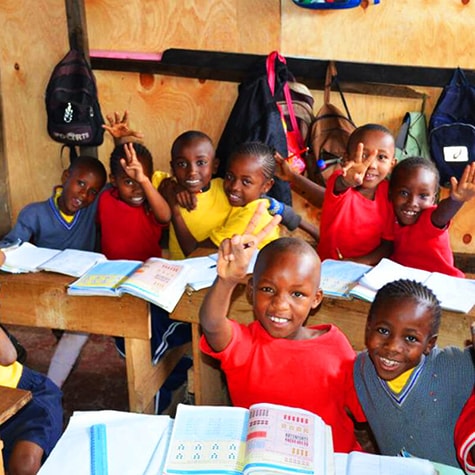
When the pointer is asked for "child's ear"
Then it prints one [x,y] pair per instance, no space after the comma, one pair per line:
[267,185]
[215,165]
[250,290]
[64,176]
[430,344]
[112,180]
[317,298]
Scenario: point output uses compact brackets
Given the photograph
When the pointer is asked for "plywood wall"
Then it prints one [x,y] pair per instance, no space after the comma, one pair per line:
[34,38]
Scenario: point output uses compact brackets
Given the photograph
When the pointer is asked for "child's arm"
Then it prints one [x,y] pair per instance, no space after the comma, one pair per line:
[385,249]
[354,170]
[460,192]
[134,170]
[119,129]
[8,354]
[185,239]
[234,256]
[305,187]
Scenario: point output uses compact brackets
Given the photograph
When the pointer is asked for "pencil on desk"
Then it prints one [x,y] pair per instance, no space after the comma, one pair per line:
[340,255]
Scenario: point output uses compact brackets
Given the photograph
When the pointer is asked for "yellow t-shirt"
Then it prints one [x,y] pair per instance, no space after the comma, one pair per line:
[211,212]
[67,217]
[396,385]
[10,375]
[237,221]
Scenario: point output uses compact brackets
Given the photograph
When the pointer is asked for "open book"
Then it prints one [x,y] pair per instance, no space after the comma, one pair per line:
[27,257]
[159,281]
[264,439]
[454,293]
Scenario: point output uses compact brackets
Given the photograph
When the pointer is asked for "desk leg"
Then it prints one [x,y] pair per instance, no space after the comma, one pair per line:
[208,381]
[144,379]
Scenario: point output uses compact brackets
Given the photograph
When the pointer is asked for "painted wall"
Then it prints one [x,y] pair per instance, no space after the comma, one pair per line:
[34,38]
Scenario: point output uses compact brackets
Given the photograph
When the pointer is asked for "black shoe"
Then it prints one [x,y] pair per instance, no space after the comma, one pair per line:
[20,349]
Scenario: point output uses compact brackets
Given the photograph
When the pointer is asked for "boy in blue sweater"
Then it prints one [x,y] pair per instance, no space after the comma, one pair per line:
[411,391]
[65,220]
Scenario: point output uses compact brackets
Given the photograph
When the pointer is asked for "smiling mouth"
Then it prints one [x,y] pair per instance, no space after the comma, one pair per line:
[388,363]
[278,320]
[137,199]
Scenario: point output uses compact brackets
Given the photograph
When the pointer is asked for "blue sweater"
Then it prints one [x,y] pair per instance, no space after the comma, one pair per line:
[41,224]
[422,417]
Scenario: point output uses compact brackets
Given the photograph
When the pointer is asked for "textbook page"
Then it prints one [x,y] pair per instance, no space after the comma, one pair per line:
[207,439]
[73,262]
[136,444]
[103,278]
[339,277]
[360,463]
[26,258]
[286,440]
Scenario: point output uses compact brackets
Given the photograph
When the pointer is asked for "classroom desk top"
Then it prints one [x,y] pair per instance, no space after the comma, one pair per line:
[11,401]
[40,300]
[348,315]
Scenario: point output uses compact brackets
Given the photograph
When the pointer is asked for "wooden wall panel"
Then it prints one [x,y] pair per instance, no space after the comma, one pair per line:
[34,38]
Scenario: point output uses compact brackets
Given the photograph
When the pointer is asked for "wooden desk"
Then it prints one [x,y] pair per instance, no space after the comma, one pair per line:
[11,401]
[40,300]
[348,315]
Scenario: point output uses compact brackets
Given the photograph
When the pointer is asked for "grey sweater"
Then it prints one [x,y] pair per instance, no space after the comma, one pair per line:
[422,417]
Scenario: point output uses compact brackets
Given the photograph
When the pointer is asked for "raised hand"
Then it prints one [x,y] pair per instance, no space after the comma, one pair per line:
[282,169]
[119,127]
[132,165]
[356,167]
[235,254]
[464,190]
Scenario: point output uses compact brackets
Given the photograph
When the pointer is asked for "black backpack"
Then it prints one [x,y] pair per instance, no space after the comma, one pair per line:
[72,107]
[452,128]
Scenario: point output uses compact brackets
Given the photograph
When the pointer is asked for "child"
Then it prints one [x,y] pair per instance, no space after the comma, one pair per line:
[202,205]
[411,391]
[277,359]
[132,203]
[356,219]
[65,220]
[29,435]
[465,429]
[465,437]
[421,237]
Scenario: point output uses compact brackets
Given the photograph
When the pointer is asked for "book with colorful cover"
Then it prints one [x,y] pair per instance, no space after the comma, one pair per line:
[263,439]
[159,281]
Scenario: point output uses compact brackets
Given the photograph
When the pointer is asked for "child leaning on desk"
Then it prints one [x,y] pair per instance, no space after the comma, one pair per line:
[421,229]
[276,359]
[411,391]
[357,217]
[65,220]
[29,435]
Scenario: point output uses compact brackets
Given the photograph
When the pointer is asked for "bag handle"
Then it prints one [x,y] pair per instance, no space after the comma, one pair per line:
[332,79]
[270,66]
[459,78]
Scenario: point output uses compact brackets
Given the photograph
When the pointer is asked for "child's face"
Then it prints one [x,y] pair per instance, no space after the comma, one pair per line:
[80,188]
[284,290]
[245,181]
[398,334]
[194,164]
[384,161]
[412,192]
[129,190]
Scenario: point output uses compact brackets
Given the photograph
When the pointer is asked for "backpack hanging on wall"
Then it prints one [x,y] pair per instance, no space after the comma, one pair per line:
[256,116]
[452,128]
[74,115]
[329,133]
[411,140]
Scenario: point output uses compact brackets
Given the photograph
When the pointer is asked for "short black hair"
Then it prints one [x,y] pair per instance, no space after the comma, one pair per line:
[356,134]
[261,151]
[410,163]
[143,153]
[408,289]
[186,138]
[90,163]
